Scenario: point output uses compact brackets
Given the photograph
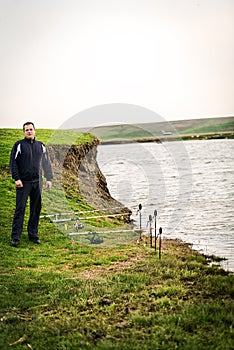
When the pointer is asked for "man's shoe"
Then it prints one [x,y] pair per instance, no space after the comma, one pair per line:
[35,240]
[14,243]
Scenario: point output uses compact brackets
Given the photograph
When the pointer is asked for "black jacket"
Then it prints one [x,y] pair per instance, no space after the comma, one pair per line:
[28,158]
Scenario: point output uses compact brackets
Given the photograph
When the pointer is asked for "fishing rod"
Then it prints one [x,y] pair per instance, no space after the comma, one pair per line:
[150,228]
[155,232]
[139,211]
[160,242]
[99,232]
[56,221]
[80,212]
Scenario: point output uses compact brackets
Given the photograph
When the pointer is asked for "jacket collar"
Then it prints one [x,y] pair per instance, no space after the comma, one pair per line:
[29,141]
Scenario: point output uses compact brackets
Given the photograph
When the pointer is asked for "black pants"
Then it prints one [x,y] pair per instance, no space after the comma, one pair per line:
[32,190]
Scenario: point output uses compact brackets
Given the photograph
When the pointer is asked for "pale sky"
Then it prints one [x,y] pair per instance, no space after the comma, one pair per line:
[62,57]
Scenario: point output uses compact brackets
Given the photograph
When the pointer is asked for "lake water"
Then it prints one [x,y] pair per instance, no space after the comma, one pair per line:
[190,184]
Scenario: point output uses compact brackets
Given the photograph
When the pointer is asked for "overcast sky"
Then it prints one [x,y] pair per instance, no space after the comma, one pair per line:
[62,57]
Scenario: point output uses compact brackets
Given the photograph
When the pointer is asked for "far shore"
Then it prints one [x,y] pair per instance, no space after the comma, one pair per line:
[172,137]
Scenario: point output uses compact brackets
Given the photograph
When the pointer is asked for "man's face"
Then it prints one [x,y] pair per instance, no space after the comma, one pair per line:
[29,131]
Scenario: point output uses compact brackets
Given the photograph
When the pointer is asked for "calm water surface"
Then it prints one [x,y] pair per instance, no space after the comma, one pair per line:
[190,184]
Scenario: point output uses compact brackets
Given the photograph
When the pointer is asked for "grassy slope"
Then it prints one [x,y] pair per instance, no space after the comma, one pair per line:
[62,296]
[180,127]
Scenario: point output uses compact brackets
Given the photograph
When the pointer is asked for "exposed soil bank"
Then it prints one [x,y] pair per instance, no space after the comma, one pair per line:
[79,163]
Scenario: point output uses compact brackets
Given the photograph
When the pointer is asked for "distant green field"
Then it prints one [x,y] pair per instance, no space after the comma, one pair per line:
[181,127]
[210,127]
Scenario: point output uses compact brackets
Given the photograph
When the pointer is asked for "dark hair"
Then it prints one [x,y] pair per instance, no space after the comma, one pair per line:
[27,123]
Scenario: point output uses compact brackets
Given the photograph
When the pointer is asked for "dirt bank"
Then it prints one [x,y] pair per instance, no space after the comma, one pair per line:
[79,163]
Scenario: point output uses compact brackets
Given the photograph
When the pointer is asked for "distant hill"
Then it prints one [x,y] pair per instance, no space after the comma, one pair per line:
[205,125]
[165,130]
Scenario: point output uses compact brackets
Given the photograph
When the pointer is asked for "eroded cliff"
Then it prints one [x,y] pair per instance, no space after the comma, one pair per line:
[79,165]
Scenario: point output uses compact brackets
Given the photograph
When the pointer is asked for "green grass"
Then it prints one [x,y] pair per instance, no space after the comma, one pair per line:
[121,132]
[177,128]
[61,296]
[209,126]
[122,298]
[57,137]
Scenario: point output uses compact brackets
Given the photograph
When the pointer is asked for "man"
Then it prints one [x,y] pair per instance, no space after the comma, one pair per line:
[28,158]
